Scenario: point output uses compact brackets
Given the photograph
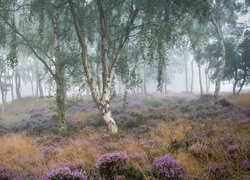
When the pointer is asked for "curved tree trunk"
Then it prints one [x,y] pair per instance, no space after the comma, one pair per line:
[220,75]
[104,108]
[18,84]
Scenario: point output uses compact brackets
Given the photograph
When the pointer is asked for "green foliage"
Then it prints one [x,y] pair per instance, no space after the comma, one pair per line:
[153,102]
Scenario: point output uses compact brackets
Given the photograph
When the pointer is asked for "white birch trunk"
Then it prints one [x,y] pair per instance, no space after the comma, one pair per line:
[220,75]
[110,122]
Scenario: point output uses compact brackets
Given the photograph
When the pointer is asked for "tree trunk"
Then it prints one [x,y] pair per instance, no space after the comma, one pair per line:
[241,85]
[144,76]
[192,75]
[200,81]
[220,75]
[104,108]
[102,101]
[234,87]
[18,84]
[32,87]
[186,70]
[3,102]
[60,102]
[207,78]
[60,93]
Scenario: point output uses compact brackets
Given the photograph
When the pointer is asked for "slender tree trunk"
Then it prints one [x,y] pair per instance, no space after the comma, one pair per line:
[3,101]
[220,75]
[166,87]
[32,87]
[12,88]
[40,87]
[200,81]
[60,93]
[2,91]
[207,78]
[241,85]
[18,84]
[186,69]
[192,75]
[234,87]
[119,87]
[37,78]
[98,81]
[145,85]
[144,76]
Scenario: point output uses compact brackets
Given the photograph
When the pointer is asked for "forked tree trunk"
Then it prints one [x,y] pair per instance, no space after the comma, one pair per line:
[102,101]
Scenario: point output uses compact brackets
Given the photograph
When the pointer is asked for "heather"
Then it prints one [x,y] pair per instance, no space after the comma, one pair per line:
[161,136]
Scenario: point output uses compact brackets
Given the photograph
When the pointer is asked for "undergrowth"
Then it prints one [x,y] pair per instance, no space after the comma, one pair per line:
[195,141]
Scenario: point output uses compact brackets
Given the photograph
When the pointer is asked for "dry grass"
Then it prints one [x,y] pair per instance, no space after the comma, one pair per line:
[240,99]
[19,153]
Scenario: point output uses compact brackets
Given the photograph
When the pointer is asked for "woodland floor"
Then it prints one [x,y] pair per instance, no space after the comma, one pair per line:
[210,141]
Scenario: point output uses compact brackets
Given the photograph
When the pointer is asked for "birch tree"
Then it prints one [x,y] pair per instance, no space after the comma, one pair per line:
[42,30]
[102,100]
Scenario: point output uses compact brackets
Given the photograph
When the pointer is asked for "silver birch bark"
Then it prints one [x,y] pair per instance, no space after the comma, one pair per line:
[60,94]
[220,75]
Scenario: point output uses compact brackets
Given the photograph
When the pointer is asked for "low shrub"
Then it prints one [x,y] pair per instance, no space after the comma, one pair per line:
[246,165]
[4,174]
[218,171]
[200,150]
[154,103]
[49,152]
[132,173]
[65,173]
[232,151]
[111,164]
[167,168]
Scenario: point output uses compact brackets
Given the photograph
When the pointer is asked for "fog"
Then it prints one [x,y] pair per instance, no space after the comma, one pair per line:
[177,85]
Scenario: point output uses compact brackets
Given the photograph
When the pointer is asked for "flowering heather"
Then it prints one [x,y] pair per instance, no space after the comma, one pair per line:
[232,151]
[110,164]
[218,171]
[139,158]
[65,173]
[49,152]
[76,109]
[199,136]
[200,150]
[246,165]
[168,169]
[4,174]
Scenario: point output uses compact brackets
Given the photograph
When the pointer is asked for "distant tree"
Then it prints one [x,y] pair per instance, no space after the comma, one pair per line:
[244,74]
